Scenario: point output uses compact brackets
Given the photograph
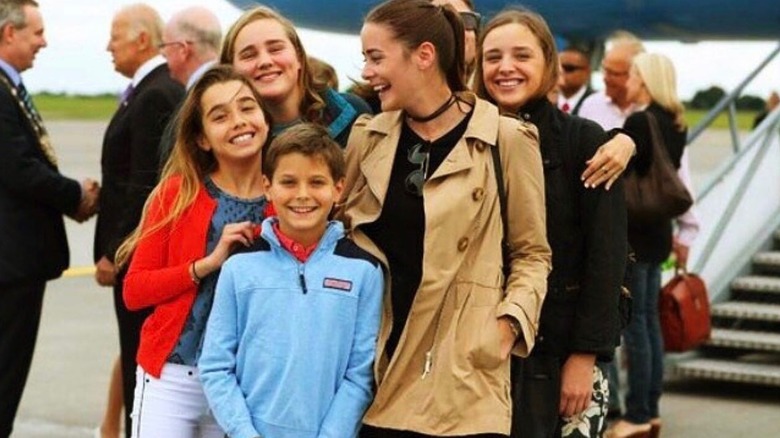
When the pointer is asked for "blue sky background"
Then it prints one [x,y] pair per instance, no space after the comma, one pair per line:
[76,61]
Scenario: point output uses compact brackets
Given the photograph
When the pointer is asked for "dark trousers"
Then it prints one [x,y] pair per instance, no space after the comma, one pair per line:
[129,335]
[20,315]
[536,395]
[375,432]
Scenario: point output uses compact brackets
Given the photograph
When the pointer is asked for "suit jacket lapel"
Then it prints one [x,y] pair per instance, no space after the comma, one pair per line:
[34,123]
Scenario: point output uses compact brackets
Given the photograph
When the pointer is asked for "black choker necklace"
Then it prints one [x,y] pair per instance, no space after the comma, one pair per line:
[445,106]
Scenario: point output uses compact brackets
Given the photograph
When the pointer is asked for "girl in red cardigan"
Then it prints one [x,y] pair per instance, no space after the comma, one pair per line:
[209,203]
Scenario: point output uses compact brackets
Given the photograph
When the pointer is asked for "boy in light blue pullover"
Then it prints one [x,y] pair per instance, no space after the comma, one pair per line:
[290,341]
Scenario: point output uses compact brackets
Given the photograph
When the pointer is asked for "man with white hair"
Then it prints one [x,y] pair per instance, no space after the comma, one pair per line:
[191,43]
[130,161]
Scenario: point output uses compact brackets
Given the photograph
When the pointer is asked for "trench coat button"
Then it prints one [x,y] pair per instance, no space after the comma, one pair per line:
[480,146]
[478,194]
[463,243]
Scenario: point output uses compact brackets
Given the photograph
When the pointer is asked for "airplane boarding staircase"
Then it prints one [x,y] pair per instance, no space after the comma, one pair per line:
[738,254]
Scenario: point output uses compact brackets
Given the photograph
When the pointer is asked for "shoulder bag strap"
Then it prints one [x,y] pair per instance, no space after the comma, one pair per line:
[659,145]
[499,173]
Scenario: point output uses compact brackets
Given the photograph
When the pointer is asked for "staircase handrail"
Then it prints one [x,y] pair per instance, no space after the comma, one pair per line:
[730,99]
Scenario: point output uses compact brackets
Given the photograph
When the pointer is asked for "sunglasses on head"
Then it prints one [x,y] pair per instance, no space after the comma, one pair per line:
[471,20]
[570,68]
[418,154]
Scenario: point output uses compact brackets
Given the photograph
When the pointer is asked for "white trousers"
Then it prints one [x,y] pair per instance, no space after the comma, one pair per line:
[172,406]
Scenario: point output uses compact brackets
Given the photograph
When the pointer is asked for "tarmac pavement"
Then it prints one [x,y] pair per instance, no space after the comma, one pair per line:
[66,390]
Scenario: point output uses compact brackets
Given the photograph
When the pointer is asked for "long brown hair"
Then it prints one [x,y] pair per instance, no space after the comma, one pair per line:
[312,106]
[538,27]
[414,22]
[188,161]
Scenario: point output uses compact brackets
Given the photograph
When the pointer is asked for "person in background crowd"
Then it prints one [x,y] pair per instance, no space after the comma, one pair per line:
[33,197]
[771,103]
[575,78]
[610,108]
[558,389]
[130,161]
[421,194]
[652,88]
[209,204]
[471,22]
[324,73]
[191,42]
[265,47]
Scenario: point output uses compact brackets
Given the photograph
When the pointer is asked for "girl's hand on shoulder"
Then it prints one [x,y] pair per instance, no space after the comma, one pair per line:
[609,162]
[233,235]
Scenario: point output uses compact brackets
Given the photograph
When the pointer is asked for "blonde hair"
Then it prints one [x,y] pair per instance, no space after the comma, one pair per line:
[312,106]
[188,161]
[658,74]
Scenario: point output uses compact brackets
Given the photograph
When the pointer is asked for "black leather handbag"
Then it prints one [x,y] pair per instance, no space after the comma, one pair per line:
[660,194]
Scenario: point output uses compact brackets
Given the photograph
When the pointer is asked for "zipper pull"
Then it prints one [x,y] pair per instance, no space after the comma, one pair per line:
[303,282]
[428,364]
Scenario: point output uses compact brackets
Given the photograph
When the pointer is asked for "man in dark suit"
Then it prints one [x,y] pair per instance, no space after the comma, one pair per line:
[130,161]
[33,198]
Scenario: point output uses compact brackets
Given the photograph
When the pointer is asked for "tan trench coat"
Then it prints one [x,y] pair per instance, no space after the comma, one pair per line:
[452,321]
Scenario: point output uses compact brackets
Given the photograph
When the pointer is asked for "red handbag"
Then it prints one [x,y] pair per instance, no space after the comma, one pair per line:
[684,310]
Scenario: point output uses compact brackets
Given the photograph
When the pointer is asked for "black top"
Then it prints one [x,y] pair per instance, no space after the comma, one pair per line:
[586,229]
[653,243]
[400,229]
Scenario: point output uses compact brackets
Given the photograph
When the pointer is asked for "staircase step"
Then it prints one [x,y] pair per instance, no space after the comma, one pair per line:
[744,340]
[767,261]
[756,288]
[745,310]
[757,283]
[730,371]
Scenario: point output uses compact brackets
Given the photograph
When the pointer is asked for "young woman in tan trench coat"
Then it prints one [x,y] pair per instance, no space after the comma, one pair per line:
[422,196]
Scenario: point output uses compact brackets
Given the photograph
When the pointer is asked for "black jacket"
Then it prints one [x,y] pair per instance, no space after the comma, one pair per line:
[130,158]
[33,198]
[586,229]
[653,243]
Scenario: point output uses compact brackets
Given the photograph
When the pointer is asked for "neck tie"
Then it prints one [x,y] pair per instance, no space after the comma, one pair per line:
[43,136]
[126,94]
[565,107]
[28,103]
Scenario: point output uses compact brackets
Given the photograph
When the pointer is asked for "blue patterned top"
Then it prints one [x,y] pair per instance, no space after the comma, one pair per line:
[230,209]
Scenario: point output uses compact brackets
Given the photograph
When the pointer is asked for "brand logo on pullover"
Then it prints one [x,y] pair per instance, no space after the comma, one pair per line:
[335,283]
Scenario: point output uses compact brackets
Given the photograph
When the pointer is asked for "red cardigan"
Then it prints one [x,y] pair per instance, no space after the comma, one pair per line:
[159,274]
